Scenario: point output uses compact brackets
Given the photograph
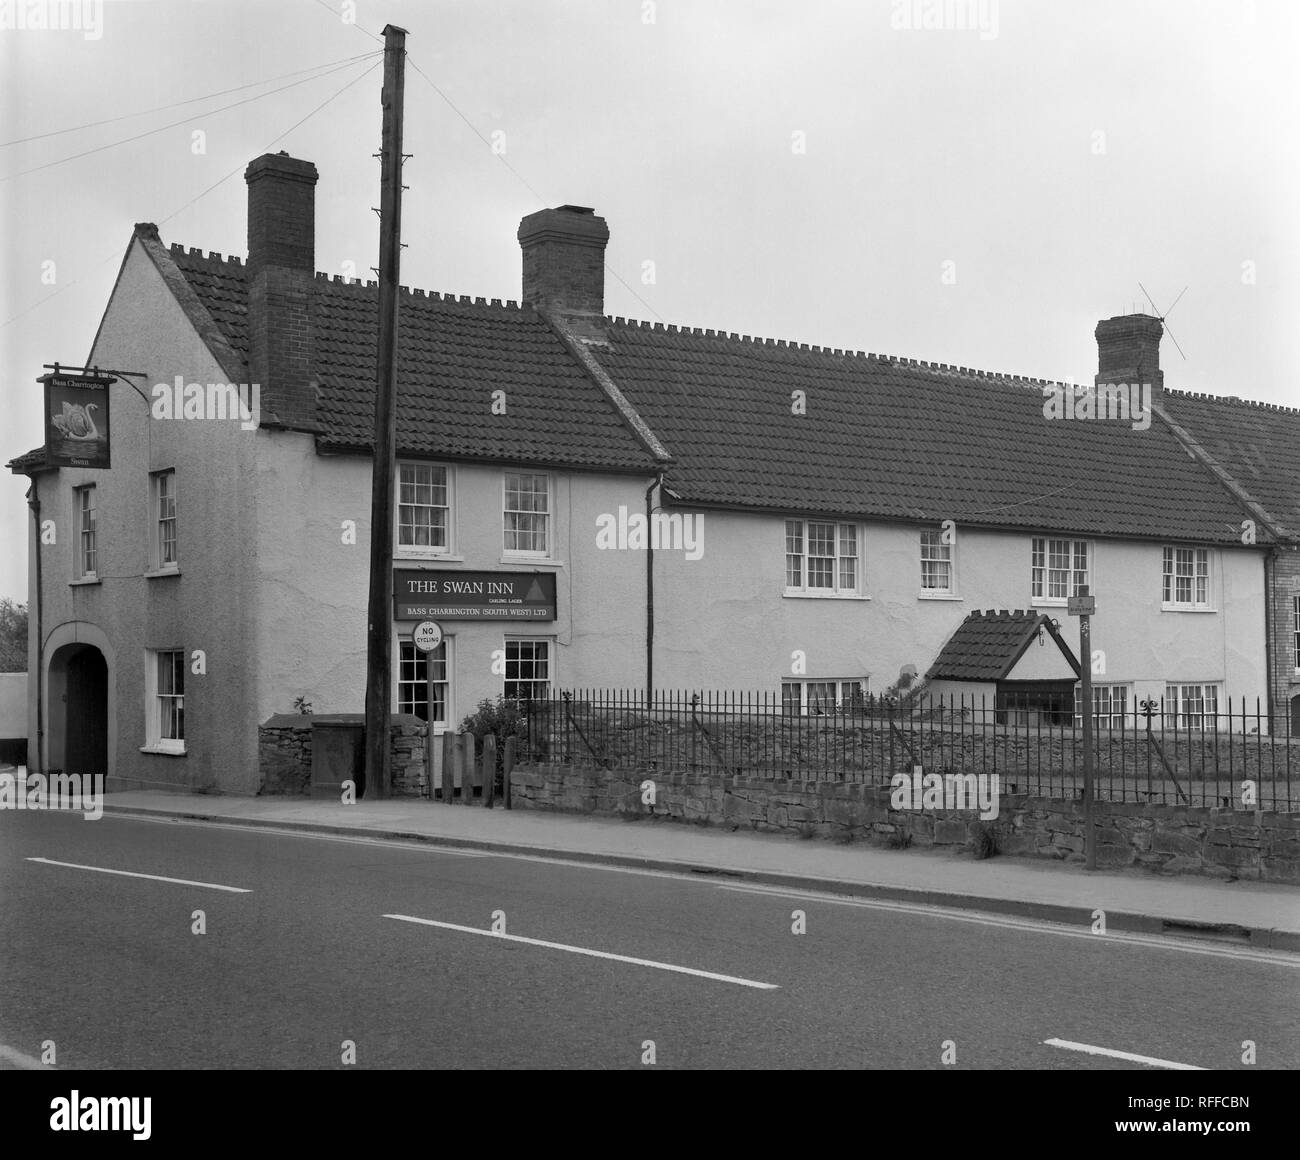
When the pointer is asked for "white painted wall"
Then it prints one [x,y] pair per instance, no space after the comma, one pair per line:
[724,622]
[201,609]
[13,705]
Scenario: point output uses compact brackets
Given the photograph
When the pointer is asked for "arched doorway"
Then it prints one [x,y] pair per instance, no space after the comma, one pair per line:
[78,710]
[1295,718]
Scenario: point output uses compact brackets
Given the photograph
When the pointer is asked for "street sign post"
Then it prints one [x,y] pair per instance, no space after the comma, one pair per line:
[427,636]
[1084,606]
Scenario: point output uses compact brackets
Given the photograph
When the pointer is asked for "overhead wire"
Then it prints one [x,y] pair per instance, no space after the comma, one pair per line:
[116,253]
[189,101]
[174,124]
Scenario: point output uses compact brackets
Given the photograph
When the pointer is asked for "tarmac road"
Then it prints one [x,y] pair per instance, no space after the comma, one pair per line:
[301,955]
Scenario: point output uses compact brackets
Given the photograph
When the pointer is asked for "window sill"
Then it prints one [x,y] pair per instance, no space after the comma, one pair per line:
[161,752]
[407,556]
[84,582]
[531,562]
[159,573]
[1043,603]
[824,595]
[937,596]
[1185,608]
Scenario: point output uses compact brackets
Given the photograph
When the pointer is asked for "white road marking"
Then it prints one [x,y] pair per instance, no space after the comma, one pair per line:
[1043,926]
[537,942]
[1039,925]
[18,1059]
[1089,1049]
[151,877]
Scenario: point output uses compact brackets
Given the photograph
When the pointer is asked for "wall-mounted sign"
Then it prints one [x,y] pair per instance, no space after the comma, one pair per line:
[423,594]
[76,420]
[427,635]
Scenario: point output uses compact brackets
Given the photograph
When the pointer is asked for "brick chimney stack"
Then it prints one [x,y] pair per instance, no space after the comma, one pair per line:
[281,266]
[1128,351]
[564,261]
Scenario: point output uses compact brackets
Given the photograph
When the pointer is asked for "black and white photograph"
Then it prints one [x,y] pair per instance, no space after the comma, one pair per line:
[649,535]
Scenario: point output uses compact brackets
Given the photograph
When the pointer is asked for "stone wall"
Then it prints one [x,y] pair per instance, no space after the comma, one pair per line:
[284,754]
[1223,843]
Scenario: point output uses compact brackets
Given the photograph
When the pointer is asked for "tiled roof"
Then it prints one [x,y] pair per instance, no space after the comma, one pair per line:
[454,353]
[899,439]
[986,646]
[1258,444]
[882,437]
[33,460]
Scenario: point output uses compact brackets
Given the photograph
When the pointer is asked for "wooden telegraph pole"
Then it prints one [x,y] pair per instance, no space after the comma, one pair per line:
[379,651]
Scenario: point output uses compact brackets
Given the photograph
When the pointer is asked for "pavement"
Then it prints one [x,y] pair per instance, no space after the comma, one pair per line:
[1258,914]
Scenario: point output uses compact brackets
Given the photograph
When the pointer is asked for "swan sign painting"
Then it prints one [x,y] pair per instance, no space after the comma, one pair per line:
[76,420]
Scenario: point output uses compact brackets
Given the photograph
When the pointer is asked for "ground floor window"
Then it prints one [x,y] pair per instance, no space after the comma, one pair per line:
[413,670]
[822,698]
[1110,706]
[528,669]
[1191,706]
[165,699]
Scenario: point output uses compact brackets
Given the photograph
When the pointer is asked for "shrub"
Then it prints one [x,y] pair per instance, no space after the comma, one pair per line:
[503,718]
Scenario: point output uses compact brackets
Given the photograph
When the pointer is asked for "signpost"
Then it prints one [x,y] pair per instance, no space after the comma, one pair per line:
[427,636]
[1084,606]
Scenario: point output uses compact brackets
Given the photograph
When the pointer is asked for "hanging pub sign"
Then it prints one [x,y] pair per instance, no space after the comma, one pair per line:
[426,594]
[76,420]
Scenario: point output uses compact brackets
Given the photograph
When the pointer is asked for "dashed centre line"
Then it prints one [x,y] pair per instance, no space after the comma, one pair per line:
[151,877]
[21,1060]
[1110,1053]
[537,942]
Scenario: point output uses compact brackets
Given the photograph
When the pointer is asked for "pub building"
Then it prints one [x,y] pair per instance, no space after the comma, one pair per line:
[589,502]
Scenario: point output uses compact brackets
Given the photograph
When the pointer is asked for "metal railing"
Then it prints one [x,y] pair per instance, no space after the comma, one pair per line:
[1232,756]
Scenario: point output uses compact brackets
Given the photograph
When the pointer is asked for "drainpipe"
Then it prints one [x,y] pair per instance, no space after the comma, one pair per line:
[650,592]
[34,502]
[1270,644]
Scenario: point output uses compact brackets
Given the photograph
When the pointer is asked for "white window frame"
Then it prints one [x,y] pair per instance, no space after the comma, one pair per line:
[848,692]
[1295,600]
[525,638]
[1207,694]
[1108,719]
[157,520]
[1169,577]
[1040,588]
[948,558]
[155,742]
[424,551]
[838,589]
[404,647]
[83,552]
[547,553]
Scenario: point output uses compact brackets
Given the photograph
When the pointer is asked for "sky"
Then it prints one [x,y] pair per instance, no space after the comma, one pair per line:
[877,175]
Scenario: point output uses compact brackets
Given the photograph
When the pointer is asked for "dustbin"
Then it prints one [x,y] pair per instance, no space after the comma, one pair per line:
[338,754]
